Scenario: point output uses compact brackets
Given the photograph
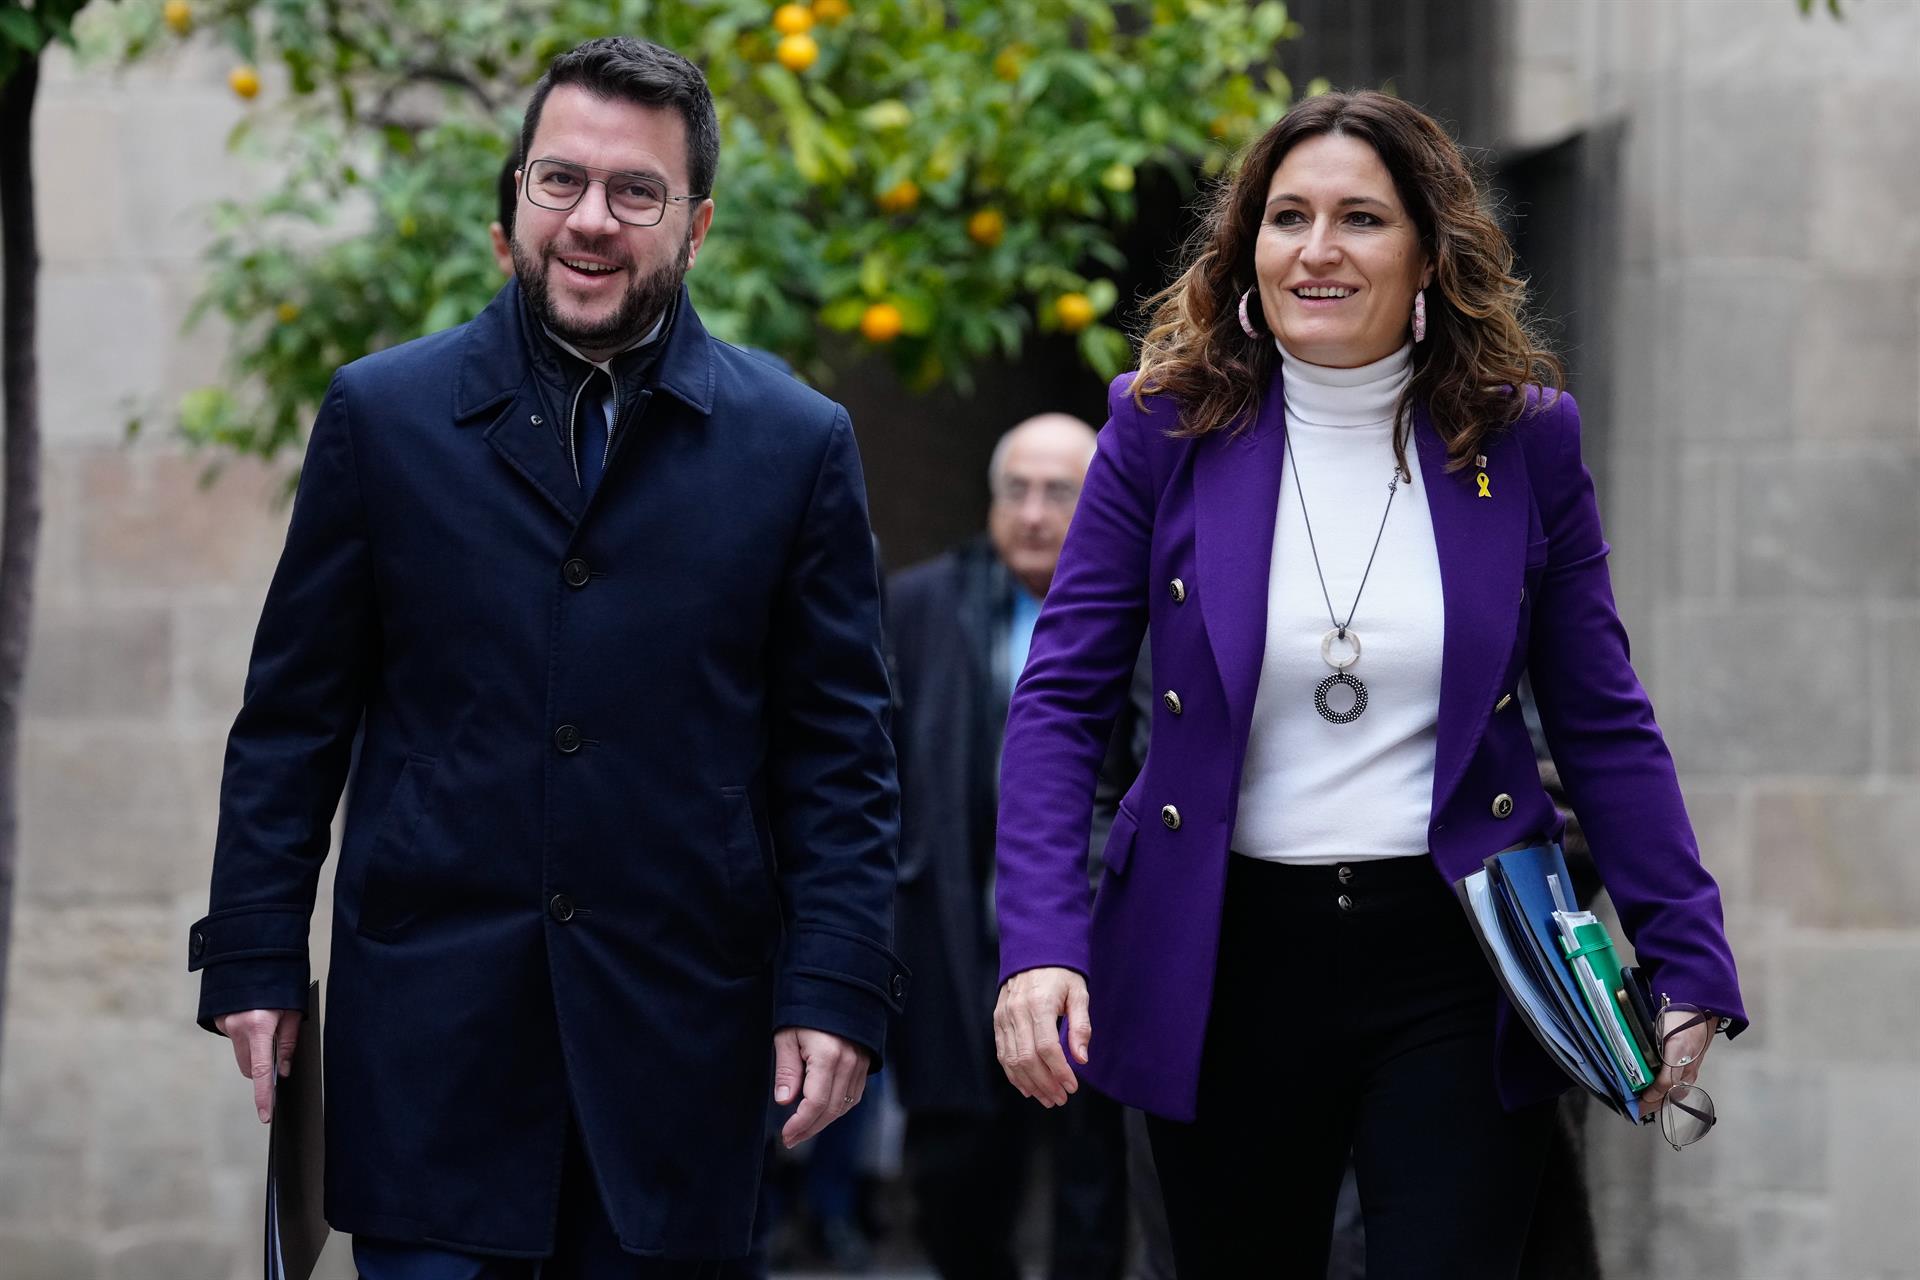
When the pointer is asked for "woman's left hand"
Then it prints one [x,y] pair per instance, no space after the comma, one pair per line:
[1692,1042]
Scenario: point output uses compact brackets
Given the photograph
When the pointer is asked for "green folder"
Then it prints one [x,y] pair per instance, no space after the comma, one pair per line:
[1596,948]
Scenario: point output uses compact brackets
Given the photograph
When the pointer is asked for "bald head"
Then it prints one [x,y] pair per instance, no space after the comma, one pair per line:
[1035,474]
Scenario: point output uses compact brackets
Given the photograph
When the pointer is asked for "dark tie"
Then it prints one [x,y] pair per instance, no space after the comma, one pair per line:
[590,429]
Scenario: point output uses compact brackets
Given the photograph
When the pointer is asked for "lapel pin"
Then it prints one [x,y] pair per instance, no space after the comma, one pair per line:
[1480,461]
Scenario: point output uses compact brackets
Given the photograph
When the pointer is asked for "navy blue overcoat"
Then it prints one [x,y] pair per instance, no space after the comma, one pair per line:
[625,800]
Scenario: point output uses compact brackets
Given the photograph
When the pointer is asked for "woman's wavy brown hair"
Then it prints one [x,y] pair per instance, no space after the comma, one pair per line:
[1479,349]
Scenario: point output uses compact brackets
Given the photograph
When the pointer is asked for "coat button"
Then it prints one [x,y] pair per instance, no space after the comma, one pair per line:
[1502,805]
[1346,903]
[566,739]
[560,907]
[899,986]
[199,944]
[576,573]
[1172,700]
[1178,590]
[1346,875]
[1171,817]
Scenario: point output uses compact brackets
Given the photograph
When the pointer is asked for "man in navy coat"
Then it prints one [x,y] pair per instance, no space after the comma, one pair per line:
[598,592]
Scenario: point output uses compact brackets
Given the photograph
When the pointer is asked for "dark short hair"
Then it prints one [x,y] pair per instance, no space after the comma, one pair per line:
[507,191]
[639,71]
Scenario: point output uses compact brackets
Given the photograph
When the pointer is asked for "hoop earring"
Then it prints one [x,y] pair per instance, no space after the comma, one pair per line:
[1420,315]
[1246,320]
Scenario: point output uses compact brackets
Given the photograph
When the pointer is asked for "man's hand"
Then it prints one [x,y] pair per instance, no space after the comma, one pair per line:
[1026,1032]
[827,1074]
[263,1041]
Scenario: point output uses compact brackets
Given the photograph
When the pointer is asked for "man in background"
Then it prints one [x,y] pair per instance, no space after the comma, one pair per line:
[959,627]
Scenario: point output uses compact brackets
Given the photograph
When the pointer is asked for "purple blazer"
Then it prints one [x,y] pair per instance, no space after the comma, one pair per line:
[1175,537]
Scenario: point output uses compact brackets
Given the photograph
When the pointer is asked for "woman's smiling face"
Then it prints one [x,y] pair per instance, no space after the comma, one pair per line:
[1338,258]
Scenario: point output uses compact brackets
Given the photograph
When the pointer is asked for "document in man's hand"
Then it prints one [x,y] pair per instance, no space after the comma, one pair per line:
[296,1228]
[1518,917]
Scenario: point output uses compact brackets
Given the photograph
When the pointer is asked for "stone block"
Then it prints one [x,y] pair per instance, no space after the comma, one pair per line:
[97,961]
[156,1084]
[1866,192]
[1850,1002]
[1898,647]
[116,815]
[1735,335]
[98,353]
[1856,374]
[177,166]
[1839,856]
[215,642]
[1699,554]
[1740,145]
[1695,1234]
[41,1255]
[41,1189]
[1876,1169]
[1774,1139]
[151,524]
[146,1187]
[1788,1239]
[1720,815]
[1756,42]
[1844,526]
[1757,690]
[100,661]
[77,181]
[192,1258]
[46,1089]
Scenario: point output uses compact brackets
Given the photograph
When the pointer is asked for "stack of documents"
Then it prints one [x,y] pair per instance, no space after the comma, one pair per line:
[1558,966]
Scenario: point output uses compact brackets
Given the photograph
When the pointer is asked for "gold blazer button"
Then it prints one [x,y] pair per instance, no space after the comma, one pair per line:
[1172,700]
[1503,805]
[1178,590]
[1171,817]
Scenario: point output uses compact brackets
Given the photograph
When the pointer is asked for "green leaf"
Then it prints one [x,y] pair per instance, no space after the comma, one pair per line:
[22,29]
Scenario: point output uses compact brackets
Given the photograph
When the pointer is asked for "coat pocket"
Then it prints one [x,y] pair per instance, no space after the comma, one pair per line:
[386,904]
[1120,841]
[749,877]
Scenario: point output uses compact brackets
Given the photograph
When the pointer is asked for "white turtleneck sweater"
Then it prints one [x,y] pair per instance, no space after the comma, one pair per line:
[1313,791]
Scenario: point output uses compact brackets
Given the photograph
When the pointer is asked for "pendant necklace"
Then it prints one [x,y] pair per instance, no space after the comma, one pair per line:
[1341,631]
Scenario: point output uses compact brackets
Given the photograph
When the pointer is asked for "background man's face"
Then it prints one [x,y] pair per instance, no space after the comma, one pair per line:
[594,280]
[1034,493]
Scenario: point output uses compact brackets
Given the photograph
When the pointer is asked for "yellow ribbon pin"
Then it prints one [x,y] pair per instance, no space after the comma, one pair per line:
[1484,491]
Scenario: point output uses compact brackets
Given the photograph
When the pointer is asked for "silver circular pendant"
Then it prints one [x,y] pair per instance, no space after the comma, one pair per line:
[1325,708]
[1346,636]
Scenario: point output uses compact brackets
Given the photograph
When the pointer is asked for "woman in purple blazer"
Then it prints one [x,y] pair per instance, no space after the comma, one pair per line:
[1323,447]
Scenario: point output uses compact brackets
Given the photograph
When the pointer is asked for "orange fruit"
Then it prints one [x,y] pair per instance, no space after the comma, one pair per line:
[179,16]
[1074,310]
[1118,177]
[1007,63]
[797,52]
[793,19]
[287,312]
[881,322]
[986,227]
[244,80]
[901,197]
[832,12]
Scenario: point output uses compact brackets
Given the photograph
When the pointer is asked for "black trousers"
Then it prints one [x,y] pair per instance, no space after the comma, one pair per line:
[1351,1014]
[969,1175]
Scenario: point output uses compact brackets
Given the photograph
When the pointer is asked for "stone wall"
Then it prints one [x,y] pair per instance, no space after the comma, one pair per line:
[1761,470]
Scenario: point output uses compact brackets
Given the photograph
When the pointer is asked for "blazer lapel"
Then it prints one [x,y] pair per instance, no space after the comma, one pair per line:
[523,436]
[1481,542]
[1236,496]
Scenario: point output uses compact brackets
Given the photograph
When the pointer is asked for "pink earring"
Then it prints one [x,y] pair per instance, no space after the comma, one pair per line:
[1246,321]
[1420,316]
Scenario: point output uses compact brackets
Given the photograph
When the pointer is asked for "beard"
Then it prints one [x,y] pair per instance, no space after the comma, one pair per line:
[646,299]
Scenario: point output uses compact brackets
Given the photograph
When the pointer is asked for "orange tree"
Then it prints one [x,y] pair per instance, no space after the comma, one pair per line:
[935,180]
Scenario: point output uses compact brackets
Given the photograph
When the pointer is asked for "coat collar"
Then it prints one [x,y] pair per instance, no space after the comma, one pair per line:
[495,361]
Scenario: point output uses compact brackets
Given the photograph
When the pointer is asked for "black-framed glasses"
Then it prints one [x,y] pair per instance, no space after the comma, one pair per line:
[632,198]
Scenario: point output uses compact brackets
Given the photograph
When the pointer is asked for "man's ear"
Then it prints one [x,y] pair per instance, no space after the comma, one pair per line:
[502,249]
[697,230]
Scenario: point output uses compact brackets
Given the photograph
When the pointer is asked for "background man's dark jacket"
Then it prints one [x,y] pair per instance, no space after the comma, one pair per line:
[625,800]
[946,623]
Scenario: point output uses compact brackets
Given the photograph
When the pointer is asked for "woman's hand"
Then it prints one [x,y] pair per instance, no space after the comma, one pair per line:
[1026,1032]
[1691,1043]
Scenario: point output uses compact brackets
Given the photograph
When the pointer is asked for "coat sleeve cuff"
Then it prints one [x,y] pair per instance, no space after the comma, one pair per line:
[252,984]
[843,983]
[252,957]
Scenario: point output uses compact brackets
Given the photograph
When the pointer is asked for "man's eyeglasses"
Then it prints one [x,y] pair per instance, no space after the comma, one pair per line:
[1058,494]
[632,198]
